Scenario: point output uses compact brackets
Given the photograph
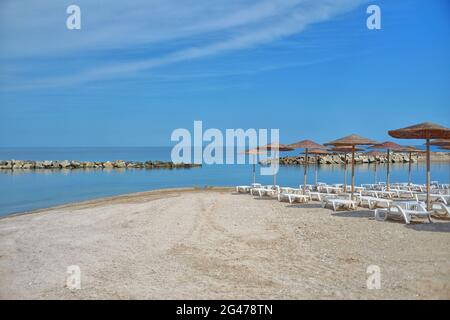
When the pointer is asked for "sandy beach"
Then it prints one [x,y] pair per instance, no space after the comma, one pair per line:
[215,244]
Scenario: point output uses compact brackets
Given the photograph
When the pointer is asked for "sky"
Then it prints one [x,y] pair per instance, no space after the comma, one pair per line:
[137,70]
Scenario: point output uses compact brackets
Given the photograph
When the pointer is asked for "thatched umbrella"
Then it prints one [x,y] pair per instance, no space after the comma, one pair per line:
[278,148]
[447,148]
[428,131]
[388,146]
[316,152]
[443,144]
[410,150]
[306,145]
[352,141]
[345,151]
[254,153]
[375,153]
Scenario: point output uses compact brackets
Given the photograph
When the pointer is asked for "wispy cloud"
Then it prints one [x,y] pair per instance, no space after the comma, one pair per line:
[158,33]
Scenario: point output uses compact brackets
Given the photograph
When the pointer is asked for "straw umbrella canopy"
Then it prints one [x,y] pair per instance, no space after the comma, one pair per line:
[352,141]
[344,150]
[388,146]
[375,153]
[427,131]
[316,152]
[441,143]
[279,148]
[306,145]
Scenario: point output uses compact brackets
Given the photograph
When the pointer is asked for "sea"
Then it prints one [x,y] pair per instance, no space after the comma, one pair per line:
[26,190]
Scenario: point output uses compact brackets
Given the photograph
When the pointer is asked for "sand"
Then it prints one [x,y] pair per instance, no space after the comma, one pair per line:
[215,244]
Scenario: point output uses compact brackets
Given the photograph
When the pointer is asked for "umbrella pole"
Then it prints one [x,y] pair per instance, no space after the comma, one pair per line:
[305,170]
[409,168]
[274,177]
[388,173]
[316,174]
[428,176]
[345,172]
[353,170]
[376,179]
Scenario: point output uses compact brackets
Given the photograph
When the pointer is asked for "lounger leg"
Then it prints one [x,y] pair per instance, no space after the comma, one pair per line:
[407,218]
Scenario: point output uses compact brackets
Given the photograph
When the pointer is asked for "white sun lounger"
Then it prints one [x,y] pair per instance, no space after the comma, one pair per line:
[246,189]
[401,193]
[404,210]
[265,191]
[243,189]
[338,202]
[386,194]
[444,198]
[441,208]
[330,189]
[314,195]
[293,197]
[373,202]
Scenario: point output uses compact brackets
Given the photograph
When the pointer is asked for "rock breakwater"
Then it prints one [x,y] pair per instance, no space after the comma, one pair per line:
[74,164]
[361,158]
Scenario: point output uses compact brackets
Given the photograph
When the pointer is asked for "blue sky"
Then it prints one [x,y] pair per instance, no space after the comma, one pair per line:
[135,72]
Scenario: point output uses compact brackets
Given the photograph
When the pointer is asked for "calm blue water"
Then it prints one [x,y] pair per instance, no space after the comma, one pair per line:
[27,190]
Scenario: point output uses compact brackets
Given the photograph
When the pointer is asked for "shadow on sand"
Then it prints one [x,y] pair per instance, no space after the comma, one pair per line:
[355,214]
[305,206]
[443,227]
[240,194]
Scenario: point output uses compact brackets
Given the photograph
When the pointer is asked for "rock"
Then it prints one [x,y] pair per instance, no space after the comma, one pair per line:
[17,164]
[47,164]
[88,164]
[6,165]
[135,165]
[55,164]
[75,164]
[39,165]
[148,164]
[28,165]
[107,165]
[64,164]
[119,164]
